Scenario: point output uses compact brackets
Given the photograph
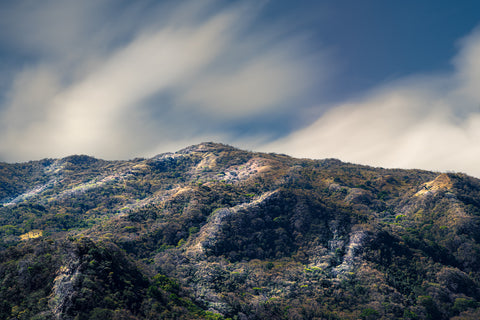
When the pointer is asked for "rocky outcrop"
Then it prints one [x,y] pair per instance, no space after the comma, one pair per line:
[64,287]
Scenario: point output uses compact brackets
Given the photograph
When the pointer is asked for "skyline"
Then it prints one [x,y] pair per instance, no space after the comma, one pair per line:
[378,84]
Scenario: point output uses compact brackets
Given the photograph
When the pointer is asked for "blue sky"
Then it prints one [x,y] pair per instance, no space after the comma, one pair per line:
[384,83]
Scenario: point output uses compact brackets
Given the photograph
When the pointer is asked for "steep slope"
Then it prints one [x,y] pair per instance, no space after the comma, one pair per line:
[212,231]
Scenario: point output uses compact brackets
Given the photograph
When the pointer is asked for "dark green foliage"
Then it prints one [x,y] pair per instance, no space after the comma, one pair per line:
[27,272]
[105,283]
[369,314]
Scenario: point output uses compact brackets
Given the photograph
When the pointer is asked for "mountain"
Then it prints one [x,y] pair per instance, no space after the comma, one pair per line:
[213,232]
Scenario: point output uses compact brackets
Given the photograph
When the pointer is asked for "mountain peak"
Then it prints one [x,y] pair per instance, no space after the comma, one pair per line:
[206,147]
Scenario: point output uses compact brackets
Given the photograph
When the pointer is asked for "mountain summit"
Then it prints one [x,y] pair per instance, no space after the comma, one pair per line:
[213,232]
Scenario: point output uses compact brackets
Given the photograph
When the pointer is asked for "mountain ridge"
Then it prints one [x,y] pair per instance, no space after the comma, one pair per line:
[212,231]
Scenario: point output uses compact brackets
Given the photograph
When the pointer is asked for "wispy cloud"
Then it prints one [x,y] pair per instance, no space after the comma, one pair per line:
[424,121]
[118,88]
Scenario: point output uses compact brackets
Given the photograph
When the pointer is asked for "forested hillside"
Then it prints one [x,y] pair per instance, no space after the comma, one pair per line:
[213,232]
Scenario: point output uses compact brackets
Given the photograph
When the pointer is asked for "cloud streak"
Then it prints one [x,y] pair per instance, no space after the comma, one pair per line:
[137,92]
[430,122]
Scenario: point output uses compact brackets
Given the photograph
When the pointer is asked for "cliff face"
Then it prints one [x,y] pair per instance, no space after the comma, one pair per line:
[212,231]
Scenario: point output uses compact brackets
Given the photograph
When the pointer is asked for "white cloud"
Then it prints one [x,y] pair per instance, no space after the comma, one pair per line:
[428,122]
[139,90]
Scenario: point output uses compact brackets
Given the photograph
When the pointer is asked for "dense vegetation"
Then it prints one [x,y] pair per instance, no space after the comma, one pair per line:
[212,232]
